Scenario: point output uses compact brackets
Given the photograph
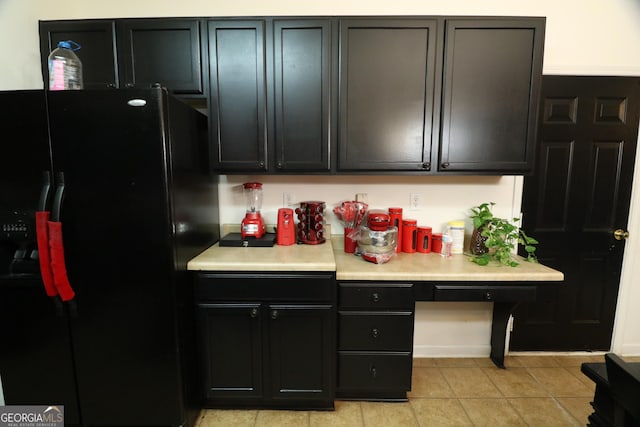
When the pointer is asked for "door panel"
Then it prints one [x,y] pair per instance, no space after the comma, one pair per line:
[578,196]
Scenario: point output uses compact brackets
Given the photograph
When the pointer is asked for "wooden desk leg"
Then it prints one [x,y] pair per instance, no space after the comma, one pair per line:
[501,313]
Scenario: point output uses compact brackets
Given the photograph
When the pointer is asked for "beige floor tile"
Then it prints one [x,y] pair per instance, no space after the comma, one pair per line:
[379,414]
[560,382]
[456,362]
[424,362]
[228,417]
[578,360]
[491,413]
[282,418]
[346,414]
[469,382]
[543,412]
[537,361]
[440,412]
[576,372]
[579,407]
[515,382]
[429,382]
[631,358]
[486,362]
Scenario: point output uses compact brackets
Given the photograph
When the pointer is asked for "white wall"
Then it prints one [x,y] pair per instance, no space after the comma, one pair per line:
[582,37]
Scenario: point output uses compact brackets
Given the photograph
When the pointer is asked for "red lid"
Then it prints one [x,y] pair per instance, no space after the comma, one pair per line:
[409,222]
[427,229]
[395,210]
[436,236]
[252,185]
[378,221]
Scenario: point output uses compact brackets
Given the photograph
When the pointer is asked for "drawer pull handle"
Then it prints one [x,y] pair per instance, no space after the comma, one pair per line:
[375,297]
[274,314]
[374,372]
[488,296]
[375,333]
[254,313]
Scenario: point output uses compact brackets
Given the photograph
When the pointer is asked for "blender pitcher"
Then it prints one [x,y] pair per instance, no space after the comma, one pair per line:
[253,224]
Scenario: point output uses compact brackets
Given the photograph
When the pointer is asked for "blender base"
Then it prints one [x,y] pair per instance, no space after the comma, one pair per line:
[236,240]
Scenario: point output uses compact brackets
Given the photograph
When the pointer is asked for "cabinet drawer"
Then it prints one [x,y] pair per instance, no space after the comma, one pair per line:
[485,293]
[381,331]
[376,296]
[374,372]
[281,287]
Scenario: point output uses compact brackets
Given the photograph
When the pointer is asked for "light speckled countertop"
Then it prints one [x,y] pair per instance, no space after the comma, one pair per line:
[330,256]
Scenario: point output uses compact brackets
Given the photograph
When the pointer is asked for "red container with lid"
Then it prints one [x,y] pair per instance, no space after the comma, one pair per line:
[424,236]
[436,242]
[409,235]
[395,220]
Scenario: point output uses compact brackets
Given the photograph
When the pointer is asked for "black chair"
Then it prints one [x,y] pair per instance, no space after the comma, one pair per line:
[624,381]
[616,401]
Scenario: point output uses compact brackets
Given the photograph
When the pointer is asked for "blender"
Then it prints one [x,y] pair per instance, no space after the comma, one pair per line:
[253,224]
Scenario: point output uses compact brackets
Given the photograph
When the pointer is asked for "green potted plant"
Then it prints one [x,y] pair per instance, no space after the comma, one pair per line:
[496,239]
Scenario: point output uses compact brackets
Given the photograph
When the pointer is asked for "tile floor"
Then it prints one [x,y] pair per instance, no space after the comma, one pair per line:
[532,391]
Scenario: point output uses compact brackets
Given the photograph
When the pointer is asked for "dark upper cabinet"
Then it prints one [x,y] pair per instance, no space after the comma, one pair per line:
[237,111]
[491,83]
[302,94]
[270,94]
[131,52]
[97,49]
[387,92]
[165,51]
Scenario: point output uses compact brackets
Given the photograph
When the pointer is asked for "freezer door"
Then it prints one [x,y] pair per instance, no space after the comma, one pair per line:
[111,147]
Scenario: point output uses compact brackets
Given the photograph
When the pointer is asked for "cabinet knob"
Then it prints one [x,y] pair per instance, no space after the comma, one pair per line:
[279,165]
[129,85]
[488,296]
[426,165]
[375,333]
[375,297]
[445,165]
[111,85]
[374,372]
[261,163]
[254,313]
[274,314]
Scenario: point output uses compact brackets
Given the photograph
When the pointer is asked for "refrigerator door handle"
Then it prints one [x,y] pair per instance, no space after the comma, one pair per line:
[58,197]
[45,191]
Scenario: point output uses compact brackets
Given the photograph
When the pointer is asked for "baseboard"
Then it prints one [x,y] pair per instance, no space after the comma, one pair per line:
[630,350]
[451,351]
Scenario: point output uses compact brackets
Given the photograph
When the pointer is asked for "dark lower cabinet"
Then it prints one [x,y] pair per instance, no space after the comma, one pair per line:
[263,349]
[375,340]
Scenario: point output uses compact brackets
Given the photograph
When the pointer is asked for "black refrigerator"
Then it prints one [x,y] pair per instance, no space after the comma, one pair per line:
[125,172]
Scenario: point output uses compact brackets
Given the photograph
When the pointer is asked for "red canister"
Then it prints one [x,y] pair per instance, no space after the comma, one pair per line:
[409,237]
[395,219]
[424,240]
[436,242]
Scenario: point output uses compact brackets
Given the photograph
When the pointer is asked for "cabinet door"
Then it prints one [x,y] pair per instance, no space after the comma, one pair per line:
[387,81]
[165,51]
[97,49]
[302,76]
[302,351]
[231,351]
[491,81]
[237,103]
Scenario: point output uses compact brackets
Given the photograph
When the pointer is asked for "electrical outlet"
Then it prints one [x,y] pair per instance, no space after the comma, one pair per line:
[414,201]
[287,200]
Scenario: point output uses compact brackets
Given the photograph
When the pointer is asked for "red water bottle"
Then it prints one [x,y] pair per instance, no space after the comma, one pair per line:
[395,220]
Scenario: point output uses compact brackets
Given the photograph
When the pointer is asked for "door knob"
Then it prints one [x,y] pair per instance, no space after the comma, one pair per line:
[620,234]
